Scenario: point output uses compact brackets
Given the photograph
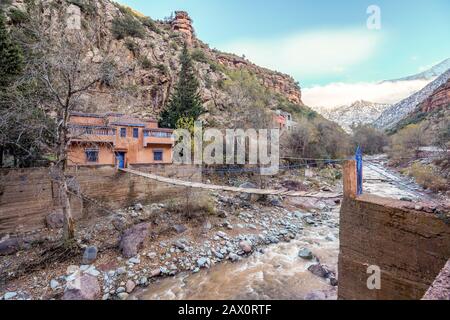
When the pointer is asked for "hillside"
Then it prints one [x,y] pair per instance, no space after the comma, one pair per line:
[359,112]
[393,115]
[150,50]
[429,74]
[432,114]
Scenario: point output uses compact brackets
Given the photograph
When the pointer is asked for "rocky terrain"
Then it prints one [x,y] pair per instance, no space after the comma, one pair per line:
[359,112]
[151,50]
[141,245]
[393,115]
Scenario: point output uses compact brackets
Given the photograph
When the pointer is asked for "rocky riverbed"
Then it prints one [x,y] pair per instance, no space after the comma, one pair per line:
[146,246]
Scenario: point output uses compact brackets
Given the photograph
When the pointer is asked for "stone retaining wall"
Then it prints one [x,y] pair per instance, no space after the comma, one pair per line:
[409,246]
[27,196]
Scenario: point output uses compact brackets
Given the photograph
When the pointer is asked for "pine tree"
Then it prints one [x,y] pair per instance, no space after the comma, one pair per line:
[185,101]
[11,58]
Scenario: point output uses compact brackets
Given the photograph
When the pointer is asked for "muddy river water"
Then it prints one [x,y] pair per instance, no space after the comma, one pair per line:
[278,272]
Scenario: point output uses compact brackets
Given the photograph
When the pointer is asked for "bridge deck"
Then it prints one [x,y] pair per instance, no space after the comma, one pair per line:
[280,192]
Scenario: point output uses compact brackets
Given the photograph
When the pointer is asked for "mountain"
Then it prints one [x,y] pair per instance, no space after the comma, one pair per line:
[359,112]
[429,74]
[396,113]
[151,50]
[432,114]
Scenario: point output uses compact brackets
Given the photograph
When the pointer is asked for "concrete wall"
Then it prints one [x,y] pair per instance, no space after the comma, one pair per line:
[409,246]
[27,196]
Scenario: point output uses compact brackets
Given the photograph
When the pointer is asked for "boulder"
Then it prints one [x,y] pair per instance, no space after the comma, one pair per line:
[323,271]
[85,287]
[133,239]
[55,220]
[246,246]
[248,196]
[138,207]
[305,253]
[179,228]
[9,246]
[129,286]
[119,223]
[89,255]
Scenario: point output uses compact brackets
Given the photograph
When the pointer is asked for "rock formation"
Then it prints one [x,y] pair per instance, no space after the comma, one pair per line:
[183,23]
[439,98]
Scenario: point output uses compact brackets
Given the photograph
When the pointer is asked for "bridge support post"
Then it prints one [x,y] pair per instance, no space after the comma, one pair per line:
[350,180]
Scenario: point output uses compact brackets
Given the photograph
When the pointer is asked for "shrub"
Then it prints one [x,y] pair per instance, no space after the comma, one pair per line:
[193,205]
[86,6]
[145,62]
[149,23]
[132,46]
[370,139]
[199,56]
[127,26]
[428,176]
[17,16]
[162,68]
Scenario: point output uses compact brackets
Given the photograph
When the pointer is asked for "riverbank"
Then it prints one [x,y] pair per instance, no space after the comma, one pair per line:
[169,245]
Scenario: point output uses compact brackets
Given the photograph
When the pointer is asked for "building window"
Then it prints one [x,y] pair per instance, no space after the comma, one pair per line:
[157,155]
[123,132]
[91,155]
[135,133]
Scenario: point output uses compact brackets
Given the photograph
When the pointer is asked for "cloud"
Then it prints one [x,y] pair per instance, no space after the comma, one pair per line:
[315,53]
[338,94]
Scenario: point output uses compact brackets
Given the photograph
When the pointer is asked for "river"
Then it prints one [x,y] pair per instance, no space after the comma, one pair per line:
[278,272]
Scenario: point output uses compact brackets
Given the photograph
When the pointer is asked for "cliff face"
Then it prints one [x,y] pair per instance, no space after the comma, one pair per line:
[438,99]
[153,57]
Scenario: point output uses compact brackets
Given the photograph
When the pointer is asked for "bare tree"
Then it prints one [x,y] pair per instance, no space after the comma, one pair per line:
[58,59]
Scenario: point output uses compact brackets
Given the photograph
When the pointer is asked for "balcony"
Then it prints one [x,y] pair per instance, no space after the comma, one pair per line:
[158,136]
[92,134]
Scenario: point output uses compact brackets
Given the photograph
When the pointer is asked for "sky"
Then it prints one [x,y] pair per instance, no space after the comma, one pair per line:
[323,44]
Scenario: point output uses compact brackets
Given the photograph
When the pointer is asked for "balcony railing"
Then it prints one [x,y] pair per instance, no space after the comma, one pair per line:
[92,133]
[158,137]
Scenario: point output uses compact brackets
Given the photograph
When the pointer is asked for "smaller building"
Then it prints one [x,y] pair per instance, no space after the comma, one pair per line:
[117,139]
[283,120]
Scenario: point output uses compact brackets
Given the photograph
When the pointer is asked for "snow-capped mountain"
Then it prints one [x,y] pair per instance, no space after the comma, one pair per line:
[359,112]
[391,116]
[429,74]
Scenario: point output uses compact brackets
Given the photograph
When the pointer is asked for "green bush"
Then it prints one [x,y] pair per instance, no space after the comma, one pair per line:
[17,16]
[149,23]
[127,26]
[199,56]
[162,68]
[145,62]
[86,6]
[132,46]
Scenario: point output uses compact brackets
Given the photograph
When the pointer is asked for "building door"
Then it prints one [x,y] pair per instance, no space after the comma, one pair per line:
[121,159]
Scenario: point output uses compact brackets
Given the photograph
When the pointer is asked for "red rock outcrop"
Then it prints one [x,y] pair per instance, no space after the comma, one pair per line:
[183,23]
[440,98]
[275,81]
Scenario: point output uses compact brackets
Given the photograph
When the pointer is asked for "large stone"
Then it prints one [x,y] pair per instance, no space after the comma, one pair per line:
[246,246]
[133,239]
[89,255]
[248,196]
[9,246]
[130,285]
[321,271]
[85,287]
[179,228]
[305,254]
[55,220]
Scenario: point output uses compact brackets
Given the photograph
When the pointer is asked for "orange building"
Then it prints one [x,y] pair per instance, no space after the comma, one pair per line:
[117,139]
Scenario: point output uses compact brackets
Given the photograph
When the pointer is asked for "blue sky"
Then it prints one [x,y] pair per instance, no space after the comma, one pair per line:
[323,41]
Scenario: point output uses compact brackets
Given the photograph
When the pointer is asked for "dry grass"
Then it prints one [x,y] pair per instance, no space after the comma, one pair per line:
[194,205]
[428,176]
